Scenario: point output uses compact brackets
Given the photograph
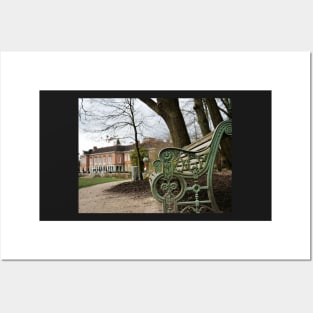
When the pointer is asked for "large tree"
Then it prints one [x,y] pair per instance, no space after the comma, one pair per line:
[201,116]
[216,117]
[168,109]
[205,108]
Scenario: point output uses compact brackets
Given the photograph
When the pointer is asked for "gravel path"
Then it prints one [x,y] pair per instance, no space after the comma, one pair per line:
[97,199]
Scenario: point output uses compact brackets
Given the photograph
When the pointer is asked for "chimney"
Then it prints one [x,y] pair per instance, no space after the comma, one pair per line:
[95,148]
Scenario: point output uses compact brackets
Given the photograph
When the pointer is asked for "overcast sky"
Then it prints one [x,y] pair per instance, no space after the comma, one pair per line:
[154,126]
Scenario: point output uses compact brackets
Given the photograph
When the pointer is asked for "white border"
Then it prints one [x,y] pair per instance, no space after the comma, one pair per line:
[23,74]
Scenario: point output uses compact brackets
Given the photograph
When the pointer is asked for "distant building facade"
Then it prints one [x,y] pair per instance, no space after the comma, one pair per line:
[116,158]
[107,159]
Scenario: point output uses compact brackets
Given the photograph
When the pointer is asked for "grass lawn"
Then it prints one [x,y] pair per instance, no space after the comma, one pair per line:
[86,181]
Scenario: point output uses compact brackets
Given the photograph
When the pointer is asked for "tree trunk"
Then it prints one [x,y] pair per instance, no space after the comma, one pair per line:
[228,106]
[168,109]
[139,161]
[216,118]
[132,116]
[201,116]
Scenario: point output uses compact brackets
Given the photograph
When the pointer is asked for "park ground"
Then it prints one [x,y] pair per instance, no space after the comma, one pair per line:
[135,197]
[103,198]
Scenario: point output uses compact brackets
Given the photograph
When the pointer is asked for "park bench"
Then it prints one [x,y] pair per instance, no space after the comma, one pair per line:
[181,175]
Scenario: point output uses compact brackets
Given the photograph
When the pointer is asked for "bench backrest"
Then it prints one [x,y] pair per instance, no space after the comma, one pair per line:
[195,158]
[200,144]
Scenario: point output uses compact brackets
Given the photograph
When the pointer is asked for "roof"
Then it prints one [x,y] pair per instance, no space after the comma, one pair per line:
[148,144]
[116,148]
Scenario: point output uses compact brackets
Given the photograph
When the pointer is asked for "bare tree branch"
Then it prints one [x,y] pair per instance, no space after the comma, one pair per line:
[111,115]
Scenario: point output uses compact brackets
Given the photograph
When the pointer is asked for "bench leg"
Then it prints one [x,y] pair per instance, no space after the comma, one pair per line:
[214,205]
[169,204]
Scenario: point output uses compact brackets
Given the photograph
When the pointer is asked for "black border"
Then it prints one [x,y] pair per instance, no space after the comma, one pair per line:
[251,156]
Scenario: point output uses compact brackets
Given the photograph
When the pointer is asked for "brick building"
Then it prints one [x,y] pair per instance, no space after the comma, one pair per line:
[116,158]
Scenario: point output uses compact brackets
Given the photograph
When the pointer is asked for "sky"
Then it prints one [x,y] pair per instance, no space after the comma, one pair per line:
[154,126]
